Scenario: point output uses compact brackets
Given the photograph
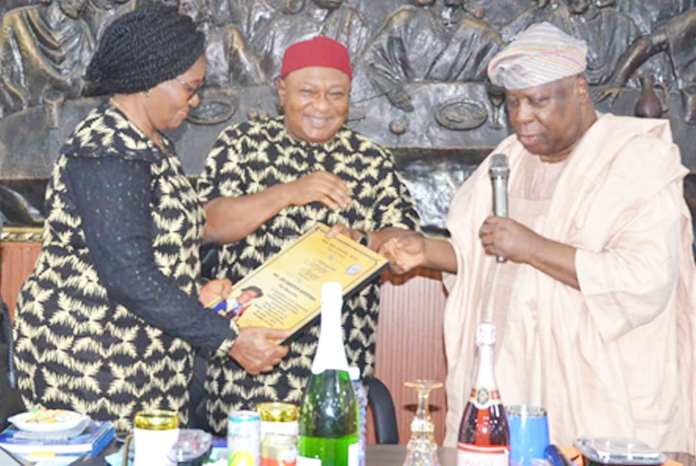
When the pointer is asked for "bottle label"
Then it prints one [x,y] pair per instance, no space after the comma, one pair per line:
[482,397]
[302,461]
[475,455]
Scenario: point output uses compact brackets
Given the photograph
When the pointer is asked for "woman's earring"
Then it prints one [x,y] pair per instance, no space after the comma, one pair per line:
[147,94]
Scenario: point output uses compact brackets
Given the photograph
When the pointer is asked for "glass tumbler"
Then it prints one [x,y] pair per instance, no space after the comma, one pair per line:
[529,435]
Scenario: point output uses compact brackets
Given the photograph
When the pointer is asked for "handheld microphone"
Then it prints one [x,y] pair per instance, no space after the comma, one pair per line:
[499,170]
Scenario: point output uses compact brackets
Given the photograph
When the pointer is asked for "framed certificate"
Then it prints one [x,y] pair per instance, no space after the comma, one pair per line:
[285,292]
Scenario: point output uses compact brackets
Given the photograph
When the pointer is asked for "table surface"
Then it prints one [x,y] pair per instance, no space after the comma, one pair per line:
[393,455]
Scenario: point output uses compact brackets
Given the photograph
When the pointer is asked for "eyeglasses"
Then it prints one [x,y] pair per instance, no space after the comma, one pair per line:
[192,90]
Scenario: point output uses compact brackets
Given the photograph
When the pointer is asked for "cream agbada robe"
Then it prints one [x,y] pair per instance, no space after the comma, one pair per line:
[616,358]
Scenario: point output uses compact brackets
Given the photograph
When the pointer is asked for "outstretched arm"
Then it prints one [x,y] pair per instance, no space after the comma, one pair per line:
[406,252]
[639,53]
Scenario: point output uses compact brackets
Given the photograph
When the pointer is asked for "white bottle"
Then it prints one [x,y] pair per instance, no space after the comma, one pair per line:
[361,396]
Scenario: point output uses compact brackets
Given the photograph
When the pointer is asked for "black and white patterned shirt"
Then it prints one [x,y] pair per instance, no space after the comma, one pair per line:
[253,156]
[105,323]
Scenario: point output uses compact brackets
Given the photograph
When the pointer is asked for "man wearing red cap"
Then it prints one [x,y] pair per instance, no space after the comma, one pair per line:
[267,182]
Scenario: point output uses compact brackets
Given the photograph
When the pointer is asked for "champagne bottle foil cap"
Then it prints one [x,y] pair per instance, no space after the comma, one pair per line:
[331,291]
[354,372]
[485,334]
[331,354]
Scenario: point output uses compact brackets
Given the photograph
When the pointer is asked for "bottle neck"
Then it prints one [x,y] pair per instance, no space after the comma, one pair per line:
[331,354]
[485,375]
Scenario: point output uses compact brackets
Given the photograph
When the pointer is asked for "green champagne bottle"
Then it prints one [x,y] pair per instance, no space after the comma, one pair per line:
[329,412]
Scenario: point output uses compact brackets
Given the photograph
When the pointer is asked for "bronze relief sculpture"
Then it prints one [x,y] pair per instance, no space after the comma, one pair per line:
[419,86]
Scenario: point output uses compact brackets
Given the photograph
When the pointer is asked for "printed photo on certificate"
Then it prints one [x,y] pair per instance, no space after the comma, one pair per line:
[285,292]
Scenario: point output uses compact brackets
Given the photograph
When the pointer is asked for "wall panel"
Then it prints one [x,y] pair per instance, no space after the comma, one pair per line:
[18,260]
[410,344]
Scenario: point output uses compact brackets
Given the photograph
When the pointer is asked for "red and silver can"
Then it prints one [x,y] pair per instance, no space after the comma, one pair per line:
[244,438]
[279,450]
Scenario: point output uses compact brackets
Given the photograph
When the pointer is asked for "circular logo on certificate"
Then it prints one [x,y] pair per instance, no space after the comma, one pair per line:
[353,269]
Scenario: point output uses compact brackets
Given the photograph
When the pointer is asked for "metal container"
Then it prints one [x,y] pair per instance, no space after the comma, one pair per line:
[279,450]
[278,418]
[244,438]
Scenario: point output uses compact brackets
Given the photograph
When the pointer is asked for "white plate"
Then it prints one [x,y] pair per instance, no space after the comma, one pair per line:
[64,420]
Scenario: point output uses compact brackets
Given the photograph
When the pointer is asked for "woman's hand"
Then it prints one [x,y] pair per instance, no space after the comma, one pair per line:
[215,290]
[256,351]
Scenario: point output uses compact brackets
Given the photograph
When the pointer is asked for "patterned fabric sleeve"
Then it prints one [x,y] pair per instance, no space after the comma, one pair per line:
[394,206]
[223,174]
[113,196]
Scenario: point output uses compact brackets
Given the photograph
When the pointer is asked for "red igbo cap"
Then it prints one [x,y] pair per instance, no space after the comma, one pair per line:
[320,51]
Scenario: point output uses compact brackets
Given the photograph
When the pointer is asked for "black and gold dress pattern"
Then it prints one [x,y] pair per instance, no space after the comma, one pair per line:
[254,156]
[105,323]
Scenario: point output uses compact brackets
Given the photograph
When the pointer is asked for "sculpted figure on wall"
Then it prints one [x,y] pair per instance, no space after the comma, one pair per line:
[650,14]
[98,14]
[431,40]
[677,38]
[303,20]
[428,58]
[230,60]
[252,15]
[608,33]
[537,12]
[43,47]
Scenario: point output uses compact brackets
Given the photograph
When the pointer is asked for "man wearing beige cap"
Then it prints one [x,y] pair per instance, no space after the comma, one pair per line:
[595,305]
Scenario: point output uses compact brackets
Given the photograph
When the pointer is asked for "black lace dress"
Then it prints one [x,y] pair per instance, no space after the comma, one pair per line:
[106,323]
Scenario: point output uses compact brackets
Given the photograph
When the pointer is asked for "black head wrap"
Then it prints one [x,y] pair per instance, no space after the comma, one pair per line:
[143,48]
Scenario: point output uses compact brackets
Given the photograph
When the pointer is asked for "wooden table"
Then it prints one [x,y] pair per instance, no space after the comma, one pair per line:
[393,455]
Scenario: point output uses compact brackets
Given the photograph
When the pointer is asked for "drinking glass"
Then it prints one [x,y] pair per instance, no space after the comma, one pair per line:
[529,435]
[496,95]
[422,448]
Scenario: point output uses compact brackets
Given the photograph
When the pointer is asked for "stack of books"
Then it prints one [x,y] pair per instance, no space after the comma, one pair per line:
[90,442]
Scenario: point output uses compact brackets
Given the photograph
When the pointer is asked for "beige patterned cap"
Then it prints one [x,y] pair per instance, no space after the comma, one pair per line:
[541,54]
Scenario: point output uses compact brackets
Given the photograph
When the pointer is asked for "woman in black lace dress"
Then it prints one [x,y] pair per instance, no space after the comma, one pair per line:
[106,323]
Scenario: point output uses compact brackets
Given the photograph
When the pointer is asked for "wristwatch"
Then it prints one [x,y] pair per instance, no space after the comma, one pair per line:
[364,239]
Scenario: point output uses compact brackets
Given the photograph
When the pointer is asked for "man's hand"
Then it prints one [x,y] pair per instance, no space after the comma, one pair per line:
[405,252]
[255,351]
[322,187]
[214,291]
[504,237]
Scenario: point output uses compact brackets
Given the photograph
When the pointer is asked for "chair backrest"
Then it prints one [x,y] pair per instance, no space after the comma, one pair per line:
[383,412]
[197,392]
[10,401]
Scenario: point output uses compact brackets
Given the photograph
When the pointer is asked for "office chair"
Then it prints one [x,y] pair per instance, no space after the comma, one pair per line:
[383,412]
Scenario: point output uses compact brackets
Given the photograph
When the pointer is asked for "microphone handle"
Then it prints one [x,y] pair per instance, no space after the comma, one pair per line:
[500,205]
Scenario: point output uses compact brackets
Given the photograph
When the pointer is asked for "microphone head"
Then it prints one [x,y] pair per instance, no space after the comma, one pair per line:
[498,166]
